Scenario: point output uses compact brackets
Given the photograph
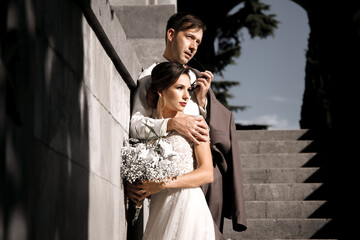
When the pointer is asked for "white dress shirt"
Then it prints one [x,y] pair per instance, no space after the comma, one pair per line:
[142,113]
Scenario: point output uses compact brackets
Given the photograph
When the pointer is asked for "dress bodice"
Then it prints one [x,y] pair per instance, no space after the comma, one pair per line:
[180,213]
[184,147]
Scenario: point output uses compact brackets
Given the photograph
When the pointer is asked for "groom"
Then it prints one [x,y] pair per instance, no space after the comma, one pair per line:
[224,195]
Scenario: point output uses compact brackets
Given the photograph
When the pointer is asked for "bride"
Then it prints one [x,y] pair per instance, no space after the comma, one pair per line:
[178,209]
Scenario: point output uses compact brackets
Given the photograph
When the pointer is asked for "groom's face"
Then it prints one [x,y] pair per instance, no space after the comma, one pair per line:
[184,44]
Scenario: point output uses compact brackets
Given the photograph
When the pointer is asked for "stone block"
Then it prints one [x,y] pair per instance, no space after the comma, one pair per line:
[149,50]
[274,146]
[119,100]
[282,209]
[111,34]
[106,210]
[102,67]
[128,2]
[278,175]
[277,229]
[267,135]
[60,108]
[144,21]
[59,197]
[106,137]
[279,160]
[59,23]
[279,191]
[141,2]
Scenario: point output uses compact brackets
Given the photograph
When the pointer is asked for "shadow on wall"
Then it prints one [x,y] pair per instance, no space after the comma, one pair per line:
[46,126]
[338,180]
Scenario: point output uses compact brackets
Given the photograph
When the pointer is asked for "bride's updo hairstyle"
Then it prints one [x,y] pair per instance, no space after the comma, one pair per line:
[163,76]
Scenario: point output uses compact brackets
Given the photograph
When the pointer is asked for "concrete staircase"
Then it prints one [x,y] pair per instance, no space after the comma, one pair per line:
[283,178]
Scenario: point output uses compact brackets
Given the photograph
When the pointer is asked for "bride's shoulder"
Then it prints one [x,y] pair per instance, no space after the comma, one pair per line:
[175,137]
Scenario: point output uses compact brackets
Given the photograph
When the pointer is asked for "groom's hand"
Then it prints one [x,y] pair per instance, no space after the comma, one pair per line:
[193,127]
[203,85]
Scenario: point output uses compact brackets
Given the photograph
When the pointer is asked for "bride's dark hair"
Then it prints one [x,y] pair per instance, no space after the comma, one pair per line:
[163,76]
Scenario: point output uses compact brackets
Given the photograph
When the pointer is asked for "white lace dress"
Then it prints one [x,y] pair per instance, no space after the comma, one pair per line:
[180,214]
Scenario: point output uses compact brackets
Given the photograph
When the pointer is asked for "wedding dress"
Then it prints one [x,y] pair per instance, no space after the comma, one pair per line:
[180,214]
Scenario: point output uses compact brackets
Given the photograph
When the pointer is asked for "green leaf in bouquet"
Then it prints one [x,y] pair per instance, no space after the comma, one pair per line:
[151,129]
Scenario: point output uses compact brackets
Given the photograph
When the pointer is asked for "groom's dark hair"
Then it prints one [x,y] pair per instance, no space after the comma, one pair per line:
[182,21]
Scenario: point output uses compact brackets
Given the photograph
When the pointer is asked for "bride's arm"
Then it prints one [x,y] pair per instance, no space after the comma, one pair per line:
[203,174]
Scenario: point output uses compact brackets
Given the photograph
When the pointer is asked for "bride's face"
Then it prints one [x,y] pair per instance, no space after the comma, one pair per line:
[177,95]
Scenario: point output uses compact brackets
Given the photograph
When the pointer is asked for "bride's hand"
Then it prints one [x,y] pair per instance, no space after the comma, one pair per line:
[151,187]
[134,193]
[137,192]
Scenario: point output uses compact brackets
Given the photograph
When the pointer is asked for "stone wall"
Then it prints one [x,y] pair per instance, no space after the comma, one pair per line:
[69,68]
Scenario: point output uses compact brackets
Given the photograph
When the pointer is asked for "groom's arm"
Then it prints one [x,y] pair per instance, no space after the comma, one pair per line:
[139,130]
[190,126]
[143,114]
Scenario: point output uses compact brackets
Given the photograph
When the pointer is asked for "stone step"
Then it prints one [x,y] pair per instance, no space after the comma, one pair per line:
[285,194]
[144,26]
[289,146]
[273,135]
[279,175]
[282,229]
[282,191]
[280,160]
[286,209]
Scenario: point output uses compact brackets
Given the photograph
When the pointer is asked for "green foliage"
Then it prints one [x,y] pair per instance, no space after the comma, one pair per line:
[225,20]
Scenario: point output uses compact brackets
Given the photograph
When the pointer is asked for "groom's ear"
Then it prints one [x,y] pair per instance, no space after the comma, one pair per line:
[170,34]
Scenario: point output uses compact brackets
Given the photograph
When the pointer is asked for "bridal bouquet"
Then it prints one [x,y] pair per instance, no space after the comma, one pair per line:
[152,159]
[148,161]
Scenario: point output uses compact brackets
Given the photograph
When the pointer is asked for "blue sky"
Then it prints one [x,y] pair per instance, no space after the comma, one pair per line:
[271,71]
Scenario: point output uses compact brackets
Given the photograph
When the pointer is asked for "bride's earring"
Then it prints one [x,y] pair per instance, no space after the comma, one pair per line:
[161,100]
[164,104]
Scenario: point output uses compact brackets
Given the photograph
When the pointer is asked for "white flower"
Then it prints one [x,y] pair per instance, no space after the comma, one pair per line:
[144,154]
[165,148]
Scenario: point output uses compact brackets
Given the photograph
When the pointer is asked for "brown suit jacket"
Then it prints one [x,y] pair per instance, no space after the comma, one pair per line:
[224,195]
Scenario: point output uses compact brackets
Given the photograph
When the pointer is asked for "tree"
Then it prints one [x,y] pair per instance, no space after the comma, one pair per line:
[222,39]
[220,89]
